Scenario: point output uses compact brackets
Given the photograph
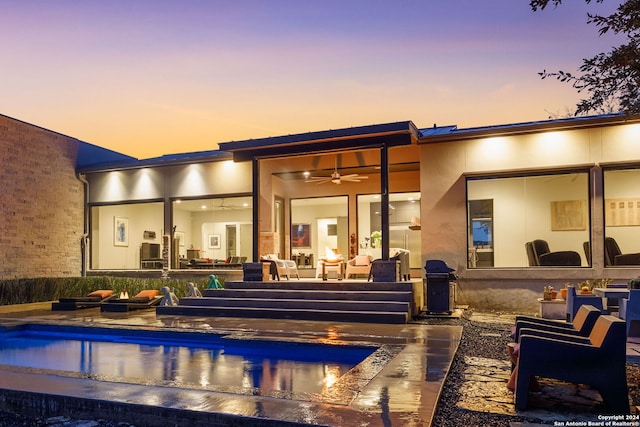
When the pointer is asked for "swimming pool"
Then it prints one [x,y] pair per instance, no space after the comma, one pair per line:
[212,361]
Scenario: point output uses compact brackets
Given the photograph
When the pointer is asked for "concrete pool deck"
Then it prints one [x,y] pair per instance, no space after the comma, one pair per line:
[404,390]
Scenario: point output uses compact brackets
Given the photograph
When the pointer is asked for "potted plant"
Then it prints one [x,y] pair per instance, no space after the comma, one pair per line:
[376,239]
[586,287]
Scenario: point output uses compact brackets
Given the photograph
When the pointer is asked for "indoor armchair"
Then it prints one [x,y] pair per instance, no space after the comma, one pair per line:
[539,254]
[614,256]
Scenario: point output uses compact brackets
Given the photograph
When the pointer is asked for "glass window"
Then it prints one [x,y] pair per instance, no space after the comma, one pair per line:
[540,220]
[120,234]
[215,230]
[404,225]
[622,217]
[319,225]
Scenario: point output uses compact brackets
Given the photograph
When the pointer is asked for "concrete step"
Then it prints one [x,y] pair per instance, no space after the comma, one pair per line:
[310,294]
[330,285]
[298,304]
[332,300]
[296,314]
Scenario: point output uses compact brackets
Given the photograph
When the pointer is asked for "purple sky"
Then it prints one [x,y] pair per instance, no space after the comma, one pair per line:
[152,77]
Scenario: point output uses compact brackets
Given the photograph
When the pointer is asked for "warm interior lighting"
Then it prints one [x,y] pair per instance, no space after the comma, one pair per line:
[415,223]
[330,255]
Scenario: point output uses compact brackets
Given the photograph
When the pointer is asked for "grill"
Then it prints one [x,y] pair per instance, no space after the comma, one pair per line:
[440,287]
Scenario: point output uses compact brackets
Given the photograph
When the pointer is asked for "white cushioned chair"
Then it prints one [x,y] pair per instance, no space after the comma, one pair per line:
[361,264]
[286,267]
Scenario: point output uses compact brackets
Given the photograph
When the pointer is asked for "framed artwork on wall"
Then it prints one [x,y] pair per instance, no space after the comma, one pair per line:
[120,231]
[569,215]
[622,212]
[300,235]
[214,241]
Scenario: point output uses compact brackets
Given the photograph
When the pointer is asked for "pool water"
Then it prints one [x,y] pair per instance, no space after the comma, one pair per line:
[211,361]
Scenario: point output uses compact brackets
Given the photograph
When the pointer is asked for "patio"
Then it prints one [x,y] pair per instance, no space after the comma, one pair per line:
[404,393]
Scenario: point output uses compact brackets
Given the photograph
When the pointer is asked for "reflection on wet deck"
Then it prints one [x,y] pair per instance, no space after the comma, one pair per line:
[398,385]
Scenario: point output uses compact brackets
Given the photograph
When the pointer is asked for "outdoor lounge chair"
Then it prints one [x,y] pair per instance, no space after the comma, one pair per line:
[360,264]
[582,324]
[284,267]
[403,256]
[93,299]
[143,299]
[597,361]
[574,301]
[630,308]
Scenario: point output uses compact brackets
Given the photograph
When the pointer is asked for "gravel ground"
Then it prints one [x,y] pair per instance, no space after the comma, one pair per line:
[476,343]
[479,339]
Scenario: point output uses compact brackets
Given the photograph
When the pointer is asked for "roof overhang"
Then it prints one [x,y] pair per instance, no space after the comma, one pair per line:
[389,134]
[166,160]
[454,134]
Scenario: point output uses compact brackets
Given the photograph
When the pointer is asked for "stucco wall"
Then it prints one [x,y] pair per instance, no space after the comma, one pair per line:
[443,202]
[41,212]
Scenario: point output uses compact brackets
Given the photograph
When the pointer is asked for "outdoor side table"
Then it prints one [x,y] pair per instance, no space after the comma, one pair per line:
[553,309]
[611,293]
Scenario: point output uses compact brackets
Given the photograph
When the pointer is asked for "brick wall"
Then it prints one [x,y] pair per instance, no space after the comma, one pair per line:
[41,213]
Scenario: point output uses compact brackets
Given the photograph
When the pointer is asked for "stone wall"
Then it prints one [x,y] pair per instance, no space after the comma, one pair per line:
[41,213]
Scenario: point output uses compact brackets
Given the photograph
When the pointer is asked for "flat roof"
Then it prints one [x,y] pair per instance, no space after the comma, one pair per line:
[391,134]
[452,133]
[96,159]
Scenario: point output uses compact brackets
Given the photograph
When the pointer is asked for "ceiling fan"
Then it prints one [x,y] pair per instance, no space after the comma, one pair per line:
[224,206]
[336,178]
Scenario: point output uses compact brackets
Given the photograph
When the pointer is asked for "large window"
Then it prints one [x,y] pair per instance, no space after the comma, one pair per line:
[120,233]
[129,236]
[319,225]
[212,230]
[515,221]
[622,217]
[404,225]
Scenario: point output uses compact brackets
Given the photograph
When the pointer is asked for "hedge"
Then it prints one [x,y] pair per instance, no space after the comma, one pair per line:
[22,291]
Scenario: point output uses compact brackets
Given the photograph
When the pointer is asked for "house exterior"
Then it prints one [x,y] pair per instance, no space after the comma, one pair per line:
[471,197]
[42,218]
[566,181]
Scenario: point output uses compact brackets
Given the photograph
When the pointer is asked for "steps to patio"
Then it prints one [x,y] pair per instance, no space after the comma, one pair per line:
[343,301]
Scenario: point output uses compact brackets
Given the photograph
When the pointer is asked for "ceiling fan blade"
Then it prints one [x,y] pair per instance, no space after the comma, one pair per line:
[318,179]
[354,177]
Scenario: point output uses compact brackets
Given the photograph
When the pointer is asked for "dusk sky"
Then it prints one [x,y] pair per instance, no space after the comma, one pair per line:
[153,77]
